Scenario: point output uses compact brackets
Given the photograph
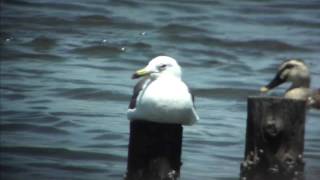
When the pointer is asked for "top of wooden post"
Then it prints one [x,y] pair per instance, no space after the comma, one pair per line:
[274,98]
[278,99]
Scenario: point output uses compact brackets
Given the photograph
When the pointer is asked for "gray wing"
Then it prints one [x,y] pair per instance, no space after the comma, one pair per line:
[136,91]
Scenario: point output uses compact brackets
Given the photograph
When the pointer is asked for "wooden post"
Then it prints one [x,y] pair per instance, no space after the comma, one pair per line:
[274,139]
[154,151]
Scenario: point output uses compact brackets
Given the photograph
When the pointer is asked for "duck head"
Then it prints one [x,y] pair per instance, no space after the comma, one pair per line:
[292,70]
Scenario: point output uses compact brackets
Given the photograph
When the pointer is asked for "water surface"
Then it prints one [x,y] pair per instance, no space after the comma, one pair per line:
[66,68]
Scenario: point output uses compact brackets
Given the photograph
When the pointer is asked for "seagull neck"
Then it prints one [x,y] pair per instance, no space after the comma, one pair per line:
[165,76]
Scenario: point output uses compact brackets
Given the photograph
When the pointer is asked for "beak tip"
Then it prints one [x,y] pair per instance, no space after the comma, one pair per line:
[264,89]
[135,76]
[140,73]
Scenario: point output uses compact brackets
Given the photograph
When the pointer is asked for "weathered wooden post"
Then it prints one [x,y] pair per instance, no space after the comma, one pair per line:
[154,151]
[274,139]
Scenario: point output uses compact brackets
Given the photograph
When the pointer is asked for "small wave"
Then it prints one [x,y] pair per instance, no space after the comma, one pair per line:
[291,22]
[14,87]
[56,6]
[42,101]
[101,51]
[15,127]
[178,28]
[90,94]
[256,44]
[107,145]
[126,23]
[271,45]
[312,155]
[38,72]
[212,54]
[35,117]
[14,96]
[108,136]
[40,107]
[231,156]
[103,146]
[70,80]
[224,93]
[182,7]
[99,67]
[239,68]
[18,55]
[82,114]
[202,2]
[9,112]
[111,21]
[42,43]
[19,76]
[95,20]
[69,167]
[297,6]
[31,23]
[4,38]
[141,45]
[189,18]
[11,168]
[213,143]
[67,124]
[61,153]
[123,3]
[97,131]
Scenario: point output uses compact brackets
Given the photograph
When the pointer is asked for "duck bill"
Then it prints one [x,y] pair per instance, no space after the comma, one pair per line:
[140,73]
[277,80]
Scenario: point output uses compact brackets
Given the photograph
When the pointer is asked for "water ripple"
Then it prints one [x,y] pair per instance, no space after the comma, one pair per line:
[225,93]
[16,55]
[11,169]
[42,43]
[35,117]
[60,153]
[178,28]
[102,51]
[82,114]
[108,136]
[65,79]
[95,20]
[69,167]
[57,6]
[255,44]
[90,94]
[23,127]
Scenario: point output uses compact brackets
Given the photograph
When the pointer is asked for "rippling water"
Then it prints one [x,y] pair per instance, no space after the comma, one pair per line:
[66,67]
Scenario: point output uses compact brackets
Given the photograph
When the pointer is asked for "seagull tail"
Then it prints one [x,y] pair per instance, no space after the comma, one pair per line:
[194,118]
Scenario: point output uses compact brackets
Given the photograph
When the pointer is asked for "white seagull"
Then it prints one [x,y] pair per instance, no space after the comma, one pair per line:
[161,96]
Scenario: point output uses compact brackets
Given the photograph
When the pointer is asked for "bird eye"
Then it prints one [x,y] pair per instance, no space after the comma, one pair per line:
[162,66]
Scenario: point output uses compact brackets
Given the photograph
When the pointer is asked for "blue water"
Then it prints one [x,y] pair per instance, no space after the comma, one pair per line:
[66,68]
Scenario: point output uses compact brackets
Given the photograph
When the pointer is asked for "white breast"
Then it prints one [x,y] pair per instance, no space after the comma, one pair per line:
[298,93]
[167,100]
[173,93]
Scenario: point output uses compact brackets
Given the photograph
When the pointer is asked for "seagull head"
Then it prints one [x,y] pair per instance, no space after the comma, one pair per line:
[159,66]
[292,70]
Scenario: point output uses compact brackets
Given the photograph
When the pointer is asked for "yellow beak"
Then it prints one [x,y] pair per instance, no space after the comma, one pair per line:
[140,73]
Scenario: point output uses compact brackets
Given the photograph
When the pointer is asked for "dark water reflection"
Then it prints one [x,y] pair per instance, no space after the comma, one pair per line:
[66,68]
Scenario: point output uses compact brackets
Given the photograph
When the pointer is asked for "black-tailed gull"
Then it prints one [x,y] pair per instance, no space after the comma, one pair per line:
[162,96]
